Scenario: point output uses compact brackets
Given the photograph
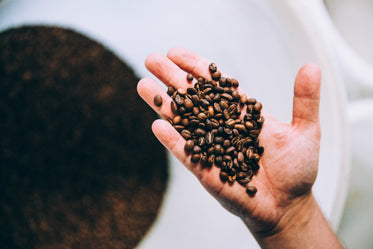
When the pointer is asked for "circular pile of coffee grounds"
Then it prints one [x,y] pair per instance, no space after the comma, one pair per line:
[79,166]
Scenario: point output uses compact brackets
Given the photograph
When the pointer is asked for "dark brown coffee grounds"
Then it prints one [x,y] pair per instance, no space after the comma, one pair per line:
[79,165]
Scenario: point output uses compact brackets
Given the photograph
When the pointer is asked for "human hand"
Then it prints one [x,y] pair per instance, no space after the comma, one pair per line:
[288,166]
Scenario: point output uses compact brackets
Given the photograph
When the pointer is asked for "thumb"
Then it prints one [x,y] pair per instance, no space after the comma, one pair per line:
[307,96]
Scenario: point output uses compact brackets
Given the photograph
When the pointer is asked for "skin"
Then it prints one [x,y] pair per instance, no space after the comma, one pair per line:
[283,213]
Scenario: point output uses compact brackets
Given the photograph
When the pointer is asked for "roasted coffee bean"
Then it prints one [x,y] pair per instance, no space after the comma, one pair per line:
[251,101]
[226,143]
[223,81]
[240,157]
[189,144]
[211,159]
[235,82]
[251,190]
[244,167]
[241,175]
[201,141]
[219,140]
[177,119]
[223,176]
[249,125]
[228,131]
[229,150]
[201,79]
[240,127]
[243,99]
[213,67]
[179,127]
[170,90]
[244,181]
[181,91]
[199,132]
[227,96]
[185,122]
[217,149]
[174,108]
[260,120]
[230,123]
[204,102]
[218,160]
[211,110]
[227,158]
[189,77]
[188,103]
[195,158]
[202,116]
[209,138]
[158,100]
[179,100]
[258,106]
[196,149]
[204,159]
[216,75]
[260,150]
[228,82]
[186,134]
[236,95]
[231,178]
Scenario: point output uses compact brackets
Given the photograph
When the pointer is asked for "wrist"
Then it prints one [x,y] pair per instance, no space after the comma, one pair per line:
[302,225]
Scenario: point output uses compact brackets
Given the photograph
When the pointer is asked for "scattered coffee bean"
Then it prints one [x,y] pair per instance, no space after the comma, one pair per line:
[251,190]
[213,67]
[189,77]
[158,100]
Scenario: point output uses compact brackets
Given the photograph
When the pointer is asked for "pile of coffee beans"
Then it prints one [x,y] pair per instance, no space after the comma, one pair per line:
[208,116]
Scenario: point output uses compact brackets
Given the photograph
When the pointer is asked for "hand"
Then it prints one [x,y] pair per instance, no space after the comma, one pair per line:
[288,166]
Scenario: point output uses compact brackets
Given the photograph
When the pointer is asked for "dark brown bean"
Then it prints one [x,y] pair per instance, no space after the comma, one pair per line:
[181,91]
[213,67]
[223,176]
[195,158]
[186,134]
[223,81]
[196,149]
[236,95]
[200,132]
[258,106]
[177,119]
[170,90]
[234,82]
[188,103]
[189,77]
[227,96]
[189,144]
[174,108]
[211,159]
[209,138]
[217,149]
[240,157]
[216,75]
[251,190]
[158,100]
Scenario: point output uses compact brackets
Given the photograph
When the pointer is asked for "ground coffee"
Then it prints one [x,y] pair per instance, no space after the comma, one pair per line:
[79,166]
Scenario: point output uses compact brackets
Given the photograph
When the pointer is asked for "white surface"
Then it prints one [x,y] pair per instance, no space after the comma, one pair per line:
[261,46]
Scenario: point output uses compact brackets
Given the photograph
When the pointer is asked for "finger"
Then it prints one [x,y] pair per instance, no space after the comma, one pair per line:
[190,62]
[307,95]
[172,140]
[147,89]
[166,71]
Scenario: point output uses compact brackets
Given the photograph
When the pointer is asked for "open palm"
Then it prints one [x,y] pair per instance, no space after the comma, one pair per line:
[288,166]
